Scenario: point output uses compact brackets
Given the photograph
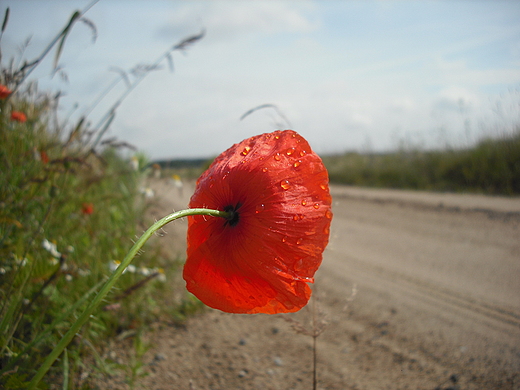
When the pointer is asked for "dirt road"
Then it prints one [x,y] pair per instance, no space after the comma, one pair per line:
[436,280]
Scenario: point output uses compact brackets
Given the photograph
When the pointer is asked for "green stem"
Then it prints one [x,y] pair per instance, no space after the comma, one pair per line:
[83,318]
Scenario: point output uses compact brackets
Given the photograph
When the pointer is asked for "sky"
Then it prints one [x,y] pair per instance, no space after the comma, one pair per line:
[347,75]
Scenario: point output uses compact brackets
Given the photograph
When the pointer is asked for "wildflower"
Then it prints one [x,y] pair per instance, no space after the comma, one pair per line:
[18,116]
[134,163]
[4,91]
[147,192]
[44,157]
[113,265]
[87,208]
[260,259]
[51,248]
[161,275]
[145,271]
[177,182]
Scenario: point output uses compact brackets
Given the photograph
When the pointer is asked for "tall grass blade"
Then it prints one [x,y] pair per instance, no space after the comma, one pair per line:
[92,27]
[46,51]
[170,61]
[6,19]
[75,16]
[44,333]
[104,129]
[65,385]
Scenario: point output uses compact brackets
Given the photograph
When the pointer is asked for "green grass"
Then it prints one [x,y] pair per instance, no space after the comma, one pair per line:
[490,167]
[66,215]
[71,207]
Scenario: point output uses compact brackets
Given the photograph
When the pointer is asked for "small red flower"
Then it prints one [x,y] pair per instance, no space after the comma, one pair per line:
[87,208]
[18,116]
[44,157]
[4,91]
[261,258]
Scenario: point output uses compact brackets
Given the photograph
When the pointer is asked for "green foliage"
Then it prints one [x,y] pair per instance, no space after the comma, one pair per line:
[66,213]
[70,205]
[491,167]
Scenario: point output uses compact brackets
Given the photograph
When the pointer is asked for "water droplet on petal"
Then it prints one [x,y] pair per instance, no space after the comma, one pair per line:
[326,230]
[289,151]
[323,186]
[304,202]
[295,217]
[277,157]
[246,150]
[285,184]
[316,206]
[264,169]
[328,214]
[303,153]
[259,208]
[284,239]
[299,241]
[297,163]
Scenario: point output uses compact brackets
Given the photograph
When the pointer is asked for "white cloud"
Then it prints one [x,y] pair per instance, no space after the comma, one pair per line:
[226,21]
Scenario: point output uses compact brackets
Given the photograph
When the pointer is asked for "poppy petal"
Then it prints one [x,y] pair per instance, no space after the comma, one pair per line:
[261,260]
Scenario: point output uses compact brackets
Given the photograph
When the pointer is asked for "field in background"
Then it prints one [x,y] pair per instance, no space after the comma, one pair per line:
[492,166]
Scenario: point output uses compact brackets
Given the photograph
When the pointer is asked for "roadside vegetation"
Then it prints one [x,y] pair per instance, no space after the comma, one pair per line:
[492,166]
[71,204]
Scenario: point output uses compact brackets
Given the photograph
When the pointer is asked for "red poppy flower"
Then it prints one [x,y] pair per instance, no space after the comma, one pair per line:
[4,91]
[44,157]
[87,208]
[18,116]
[260,259]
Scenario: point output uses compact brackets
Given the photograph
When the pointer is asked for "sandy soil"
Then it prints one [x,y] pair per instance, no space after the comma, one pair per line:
[436,305]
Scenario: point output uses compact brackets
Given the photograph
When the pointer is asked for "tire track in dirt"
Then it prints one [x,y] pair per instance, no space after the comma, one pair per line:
[448,274]
[442,297]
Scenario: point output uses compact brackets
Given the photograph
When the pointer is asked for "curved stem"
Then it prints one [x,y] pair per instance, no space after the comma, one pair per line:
[83,318]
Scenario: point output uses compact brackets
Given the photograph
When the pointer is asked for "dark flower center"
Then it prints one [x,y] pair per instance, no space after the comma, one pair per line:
[234,216]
